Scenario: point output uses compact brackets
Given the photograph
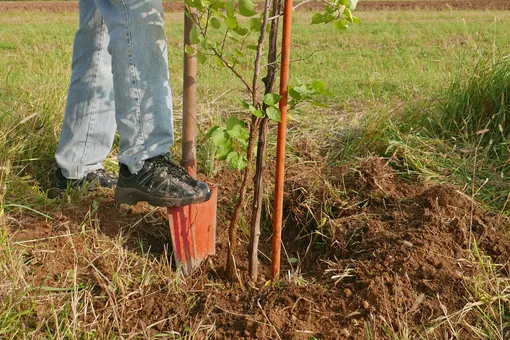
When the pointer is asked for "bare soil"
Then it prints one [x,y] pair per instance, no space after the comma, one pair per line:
[390,251]
[71,6]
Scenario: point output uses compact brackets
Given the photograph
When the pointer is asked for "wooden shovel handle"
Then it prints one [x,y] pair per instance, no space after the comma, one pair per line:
[189,102]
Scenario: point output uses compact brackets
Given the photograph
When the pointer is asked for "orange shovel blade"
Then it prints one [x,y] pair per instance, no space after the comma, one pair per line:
[193,230]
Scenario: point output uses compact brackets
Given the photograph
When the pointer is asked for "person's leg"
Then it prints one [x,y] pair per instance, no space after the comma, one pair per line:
[143,106]
[143,99]
[89,122]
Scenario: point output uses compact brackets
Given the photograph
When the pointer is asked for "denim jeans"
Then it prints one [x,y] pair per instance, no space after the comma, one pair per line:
[119,81]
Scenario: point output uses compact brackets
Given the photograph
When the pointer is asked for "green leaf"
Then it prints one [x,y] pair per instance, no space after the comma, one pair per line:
[232,36]
[239,132]
[294,94]
[244,103]
[238,52]
[194,35]
[255,112]
[232,122]
[215,23]
[223,150]
[303,90]
[219,62]
[318,18]
[218,14]
[252,47]
[271,99]
[341,24]
[356,20]
[232,159]
[241,30]
[201,58]
[206,43]
[274,113]
[255,24]
[218,48]
[258,113]
[317,103]
[219,137]
[332,16]
[230,9]
[236,161]
[318,86]
[189,50]
[195,4]
[352,4]
[348,14]
[242,163]
[246,8]
[211,131]
[217,5]
[231,22]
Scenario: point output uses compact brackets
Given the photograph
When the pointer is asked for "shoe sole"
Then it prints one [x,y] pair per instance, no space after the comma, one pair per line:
[132,196]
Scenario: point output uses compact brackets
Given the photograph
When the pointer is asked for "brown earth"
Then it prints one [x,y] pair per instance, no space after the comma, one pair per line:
[70,6]
[388,252]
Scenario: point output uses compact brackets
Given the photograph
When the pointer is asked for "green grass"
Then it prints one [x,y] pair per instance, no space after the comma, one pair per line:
[392,58]
[387,76]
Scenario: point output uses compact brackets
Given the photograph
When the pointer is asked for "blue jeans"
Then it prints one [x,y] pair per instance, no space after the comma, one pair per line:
[119,81]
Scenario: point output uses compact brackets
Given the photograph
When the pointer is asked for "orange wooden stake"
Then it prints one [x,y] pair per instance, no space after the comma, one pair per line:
[280,147]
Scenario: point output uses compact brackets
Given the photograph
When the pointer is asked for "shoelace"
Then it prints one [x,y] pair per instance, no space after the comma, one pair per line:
[165,163]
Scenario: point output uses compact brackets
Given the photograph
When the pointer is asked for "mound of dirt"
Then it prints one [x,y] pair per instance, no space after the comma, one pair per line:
[373,252]
[403,249]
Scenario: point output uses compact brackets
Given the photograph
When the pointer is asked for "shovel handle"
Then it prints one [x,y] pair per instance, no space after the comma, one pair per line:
[189,101]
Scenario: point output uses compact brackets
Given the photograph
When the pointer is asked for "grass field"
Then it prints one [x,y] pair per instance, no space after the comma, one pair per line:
[391,79]
[391,61]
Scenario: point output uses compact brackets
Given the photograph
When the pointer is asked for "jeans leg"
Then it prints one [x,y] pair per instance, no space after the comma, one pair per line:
[89,122]
[143,99]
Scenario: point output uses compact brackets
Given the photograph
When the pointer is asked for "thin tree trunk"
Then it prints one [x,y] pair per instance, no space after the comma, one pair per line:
[255,122]
[262,146]
[232,231]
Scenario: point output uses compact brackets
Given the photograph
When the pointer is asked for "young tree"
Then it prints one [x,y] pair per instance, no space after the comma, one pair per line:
[224,31]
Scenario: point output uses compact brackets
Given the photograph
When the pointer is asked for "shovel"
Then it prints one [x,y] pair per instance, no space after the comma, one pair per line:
[192,227]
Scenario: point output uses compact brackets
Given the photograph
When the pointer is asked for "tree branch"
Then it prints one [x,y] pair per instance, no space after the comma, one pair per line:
[260,167]
[219,55]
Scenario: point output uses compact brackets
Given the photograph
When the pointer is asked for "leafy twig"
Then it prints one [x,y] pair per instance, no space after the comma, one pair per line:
[231,68]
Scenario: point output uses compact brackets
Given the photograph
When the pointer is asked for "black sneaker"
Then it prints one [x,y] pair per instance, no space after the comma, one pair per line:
[160,183]
[99,178]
